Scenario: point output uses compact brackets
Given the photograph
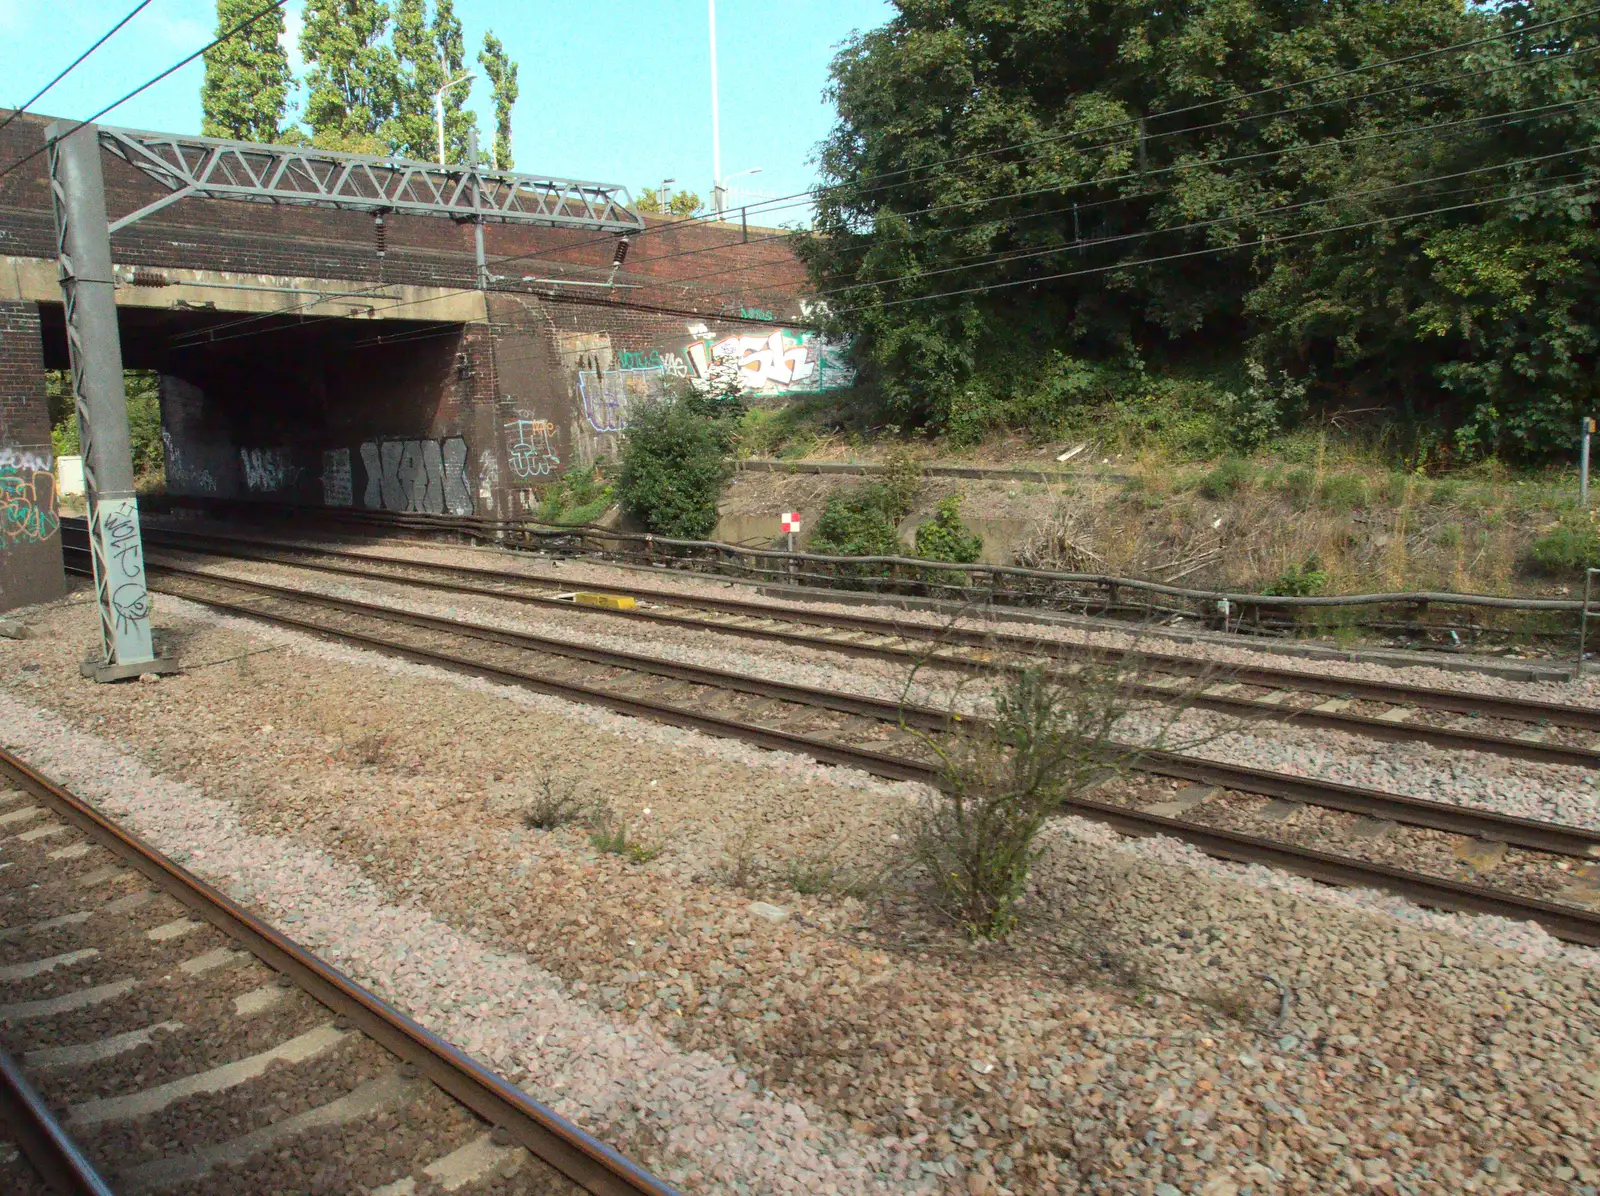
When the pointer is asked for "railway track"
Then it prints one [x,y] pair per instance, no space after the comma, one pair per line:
[1543,732]
[157,1037]
[1201,801]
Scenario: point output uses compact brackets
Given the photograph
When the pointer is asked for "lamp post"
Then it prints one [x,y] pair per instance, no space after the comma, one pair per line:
[722,185]
[716,121]
[438,108]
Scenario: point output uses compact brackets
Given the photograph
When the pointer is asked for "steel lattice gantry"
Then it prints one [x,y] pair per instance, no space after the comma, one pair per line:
[209,168]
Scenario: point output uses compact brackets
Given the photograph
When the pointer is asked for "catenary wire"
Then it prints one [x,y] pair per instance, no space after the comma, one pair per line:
[179,65]
[73,65]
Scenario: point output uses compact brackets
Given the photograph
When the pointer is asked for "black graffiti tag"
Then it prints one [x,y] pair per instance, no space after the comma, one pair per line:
[122,542]
[131,604]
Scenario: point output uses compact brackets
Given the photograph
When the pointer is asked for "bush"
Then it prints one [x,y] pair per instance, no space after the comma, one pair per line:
[675,463]
[857,523]
[1299,581]
[1229,477]
[1344,491]
[1565,549]
[581,496]
[946,538]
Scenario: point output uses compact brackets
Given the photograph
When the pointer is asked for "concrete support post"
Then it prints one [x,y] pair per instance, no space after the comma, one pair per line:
[83,242]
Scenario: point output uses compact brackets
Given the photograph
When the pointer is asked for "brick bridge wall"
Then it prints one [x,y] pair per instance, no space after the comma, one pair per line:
[459,417]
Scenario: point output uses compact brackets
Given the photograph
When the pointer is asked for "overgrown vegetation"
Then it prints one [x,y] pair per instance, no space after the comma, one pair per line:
[865,520]
[946,538]
[675,461]
[144,420]
[578,496]
[611,834]
[1428,255]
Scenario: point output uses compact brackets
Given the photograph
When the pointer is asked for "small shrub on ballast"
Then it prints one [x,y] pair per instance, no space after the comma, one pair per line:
[555,801]
[1052,737]
[675,463]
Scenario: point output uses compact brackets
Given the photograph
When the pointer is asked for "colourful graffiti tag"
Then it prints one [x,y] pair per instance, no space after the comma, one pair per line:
[27,505]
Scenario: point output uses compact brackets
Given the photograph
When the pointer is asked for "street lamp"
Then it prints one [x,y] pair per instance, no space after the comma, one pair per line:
[721,188]
[661,195]
[438,108]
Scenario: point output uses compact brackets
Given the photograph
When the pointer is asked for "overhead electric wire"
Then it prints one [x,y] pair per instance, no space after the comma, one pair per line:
[73,65]
[802,197]
[1198,164]
[1318,232]
[179,65]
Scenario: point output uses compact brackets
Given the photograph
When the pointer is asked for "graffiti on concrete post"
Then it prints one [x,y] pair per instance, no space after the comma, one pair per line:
[530,449]
[130,601]
[425,476]
[27,502]
[336,487]
[268,471]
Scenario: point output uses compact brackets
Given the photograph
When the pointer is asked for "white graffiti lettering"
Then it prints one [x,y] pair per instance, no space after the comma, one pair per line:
[530,451]
[268,471]
[336,484]
[428,476]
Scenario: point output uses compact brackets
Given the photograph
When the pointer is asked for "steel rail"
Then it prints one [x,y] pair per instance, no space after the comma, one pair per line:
[55,1156]
[1359,724]
[1484,824]
[1431,697]
[1565,922]
[585,1160]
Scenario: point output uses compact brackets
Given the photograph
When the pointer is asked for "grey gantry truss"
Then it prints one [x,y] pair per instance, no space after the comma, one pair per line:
[210,168]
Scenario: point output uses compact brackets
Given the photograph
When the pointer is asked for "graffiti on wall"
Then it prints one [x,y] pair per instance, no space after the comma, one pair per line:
[530,448]
[337,490]
[488,474]
[768,364]
[24,459]
[267,471]
[426,476]
[183,476]
[27,503]
[606,395]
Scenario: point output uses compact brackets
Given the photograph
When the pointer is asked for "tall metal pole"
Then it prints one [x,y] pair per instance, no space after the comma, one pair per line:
[1586,426]
[716,121]
[83,242]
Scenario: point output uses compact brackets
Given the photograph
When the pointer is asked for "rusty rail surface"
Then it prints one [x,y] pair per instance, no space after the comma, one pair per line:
[59,1160]
[1569,923]
[585,1160]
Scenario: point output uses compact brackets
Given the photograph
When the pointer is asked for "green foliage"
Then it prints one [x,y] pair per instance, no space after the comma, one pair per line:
[1344,491]
[859,522]
[1570,547]
[1231,475]
[373,69]
[247,76]
[502,73]
[610,834]
[946,538]
[680,203]
[579,496]
[1417,253]
[674,464]
[144,419]
[1299,581]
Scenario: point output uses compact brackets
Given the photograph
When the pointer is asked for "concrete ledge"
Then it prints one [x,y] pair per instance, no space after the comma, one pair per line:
[100,671]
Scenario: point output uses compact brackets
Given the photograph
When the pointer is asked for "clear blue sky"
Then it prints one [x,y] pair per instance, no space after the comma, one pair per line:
[612,90]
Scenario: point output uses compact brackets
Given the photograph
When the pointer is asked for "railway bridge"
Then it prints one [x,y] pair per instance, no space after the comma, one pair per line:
[372,354]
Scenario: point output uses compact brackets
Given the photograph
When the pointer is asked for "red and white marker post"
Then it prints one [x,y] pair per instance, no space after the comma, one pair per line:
[790,521]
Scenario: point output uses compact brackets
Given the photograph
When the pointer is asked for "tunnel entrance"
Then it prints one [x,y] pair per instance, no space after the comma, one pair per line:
[305,410]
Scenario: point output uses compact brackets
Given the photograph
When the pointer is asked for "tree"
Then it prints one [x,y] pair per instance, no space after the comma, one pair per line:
[682,203]
[247,76]
[502,73]
[352,84]
[427,56]
[1008,199]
